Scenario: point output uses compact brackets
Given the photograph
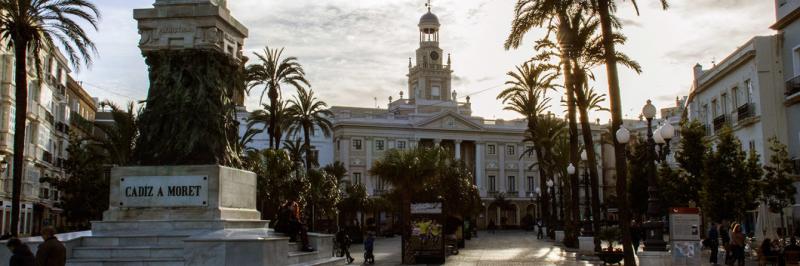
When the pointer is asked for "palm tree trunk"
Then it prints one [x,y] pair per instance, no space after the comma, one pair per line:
[273,101]
[616,122]
[307,147]
[544,200]
[591,163]
[571,235]
[21,102]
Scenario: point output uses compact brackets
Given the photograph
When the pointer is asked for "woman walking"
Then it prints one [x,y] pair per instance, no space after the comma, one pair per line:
[737,246]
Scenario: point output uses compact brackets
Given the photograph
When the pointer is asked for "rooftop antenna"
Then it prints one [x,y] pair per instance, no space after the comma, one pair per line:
[376,101]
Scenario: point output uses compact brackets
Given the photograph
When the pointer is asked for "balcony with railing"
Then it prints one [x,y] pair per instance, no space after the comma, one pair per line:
[745,111]
[720,121]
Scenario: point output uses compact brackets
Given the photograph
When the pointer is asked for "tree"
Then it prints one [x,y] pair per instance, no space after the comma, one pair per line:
[263,117]
[638,172]
[307,113]
[277,180]
[526,95]
[272,72]
[408,171]
[323,195]
[30,27]
[337,170]
[86,185]
[777,187]
[691,157]
[604,9]
[729,179]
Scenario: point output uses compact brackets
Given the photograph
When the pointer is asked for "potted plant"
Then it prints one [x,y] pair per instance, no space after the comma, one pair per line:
[610,255]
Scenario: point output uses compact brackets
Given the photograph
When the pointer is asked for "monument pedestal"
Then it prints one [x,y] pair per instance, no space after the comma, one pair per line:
[189,215]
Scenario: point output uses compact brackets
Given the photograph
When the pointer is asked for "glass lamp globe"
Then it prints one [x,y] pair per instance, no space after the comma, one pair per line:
[550,183]
[571,169]
[623,135]
[649,110]
[537,191]
[667,131]
[657,136]
[583,155]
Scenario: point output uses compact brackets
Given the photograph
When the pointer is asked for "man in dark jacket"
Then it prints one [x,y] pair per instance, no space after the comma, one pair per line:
[713,243]
[22,255]
[51,252]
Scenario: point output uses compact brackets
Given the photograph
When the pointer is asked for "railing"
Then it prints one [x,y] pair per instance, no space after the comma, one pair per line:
[793,86]
[720,121]
[745,111]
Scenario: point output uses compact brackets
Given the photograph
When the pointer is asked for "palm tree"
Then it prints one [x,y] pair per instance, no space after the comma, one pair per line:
[527,96]
[119,138]
[548,132]
[307,113]
[263,117]
[604,8]
[32,26]
[337,170]
[295,149]
[408,171]
[272,72]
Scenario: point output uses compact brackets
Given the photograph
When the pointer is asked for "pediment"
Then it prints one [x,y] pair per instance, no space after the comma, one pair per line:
[449,120]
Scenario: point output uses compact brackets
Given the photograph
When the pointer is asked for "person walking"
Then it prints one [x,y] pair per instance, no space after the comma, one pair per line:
[713,243]
[540,230]
[21,253]
[51,252]
[343,240]
[737,246]
[636,236]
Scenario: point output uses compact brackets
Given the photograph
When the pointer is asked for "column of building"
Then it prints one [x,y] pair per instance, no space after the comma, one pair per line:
[479,168]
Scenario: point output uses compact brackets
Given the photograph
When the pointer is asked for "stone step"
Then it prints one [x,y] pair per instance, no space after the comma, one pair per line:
[133,240]
[126,262]
[128,252]
[321,262]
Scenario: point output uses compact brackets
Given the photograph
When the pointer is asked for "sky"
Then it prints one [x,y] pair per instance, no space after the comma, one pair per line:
[356,51]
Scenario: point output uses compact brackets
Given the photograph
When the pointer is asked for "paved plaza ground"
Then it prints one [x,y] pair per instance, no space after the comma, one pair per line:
[500,249]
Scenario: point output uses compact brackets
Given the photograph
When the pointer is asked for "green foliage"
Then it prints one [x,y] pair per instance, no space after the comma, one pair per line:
[85,189]
[777,188]
[277,180]
[308,113]
[189,113]
[355,199]
[729,179]
[323,193]
[639,169]
[454,189]
[673,187]
[610,235]
[272,72]
[259,120]
[691,157]
[337,170]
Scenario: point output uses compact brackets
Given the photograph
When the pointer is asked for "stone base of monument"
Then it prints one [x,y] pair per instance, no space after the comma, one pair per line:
[586,244]
[655,258]
[189,215]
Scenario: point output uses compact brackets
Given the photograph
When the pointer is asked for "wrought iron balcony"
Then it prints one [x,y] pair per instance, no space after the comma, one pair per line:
[745,111]
[719,122]
[793,86]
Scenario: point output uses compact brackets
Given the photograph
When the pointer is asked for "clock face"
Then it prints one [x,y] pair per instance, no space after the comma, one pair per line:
[434,55]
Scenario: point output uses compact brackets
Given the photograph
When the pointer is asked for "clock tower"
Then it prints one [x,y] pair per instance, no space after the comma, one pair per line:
[429,78]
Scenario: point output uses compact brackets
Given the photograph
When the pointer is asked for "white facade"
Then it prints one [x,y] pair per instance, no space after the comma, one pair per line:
[744,92]
[46,139]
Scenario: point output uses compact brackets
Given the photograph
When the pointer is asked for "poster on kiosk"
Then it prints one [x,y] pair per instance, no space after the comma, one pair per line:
[684,235]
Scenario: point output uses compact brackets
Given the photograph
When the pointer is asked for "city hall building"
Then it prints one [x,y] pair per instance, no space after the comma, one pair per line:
[432,115]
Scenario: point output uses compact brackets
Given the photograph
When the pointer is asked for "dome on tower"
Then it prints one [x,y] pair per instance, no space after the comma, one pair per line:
[429,19]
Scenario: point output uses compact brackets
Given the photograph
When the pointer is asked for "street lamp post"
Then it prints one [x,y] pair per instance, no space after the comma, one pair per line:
[654,226]
[552,218]
[587,229]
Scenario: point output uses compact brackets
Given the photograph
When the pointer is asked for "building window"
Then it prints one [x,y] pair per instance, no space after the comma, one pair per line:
[357,144]
[714,108]
[511,150]
[491,149]
[529,150]
[724,103]
[356,178]
[401,144]
[512,183]
[379,145]
[492,185]
[748,90]
[380,185]
[735,97]
[531,184]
